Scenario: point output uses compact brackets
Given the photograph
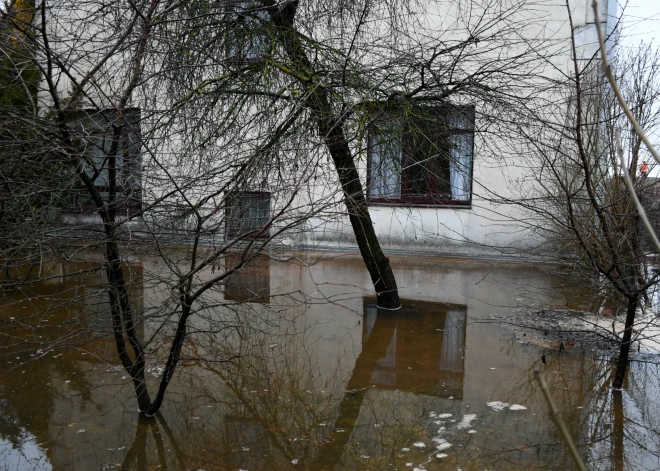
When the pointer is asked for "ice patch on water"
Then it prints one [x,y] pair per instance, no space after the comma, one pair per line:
[443,446]
[444,416]
[405,449]
[419,444]
[472,431]
[441,455]
[497,405]
[517,407]
[465,421]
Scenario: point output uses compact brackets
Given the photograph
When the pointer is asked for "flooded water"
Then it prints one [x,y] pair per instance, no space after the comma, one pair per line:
[291,366]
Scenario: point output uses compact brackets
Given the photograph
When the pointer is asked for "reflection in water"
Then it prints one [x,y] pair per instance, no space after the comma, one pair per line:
[250,283]
[426,347]
[339,385]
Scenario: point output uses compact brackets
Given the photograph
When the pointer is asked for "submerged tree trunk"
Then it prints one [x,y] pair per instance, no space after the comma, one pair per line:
[331,128]
[624,349]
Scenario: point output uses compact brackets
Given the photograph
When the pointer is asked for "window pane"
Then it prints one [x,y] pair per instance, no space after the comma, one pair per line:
[461,145]
[426,160]
[384,166]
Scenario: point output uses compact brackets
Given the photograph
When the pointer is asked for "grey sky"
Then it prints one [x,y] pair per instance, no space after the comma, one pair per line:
[641,22]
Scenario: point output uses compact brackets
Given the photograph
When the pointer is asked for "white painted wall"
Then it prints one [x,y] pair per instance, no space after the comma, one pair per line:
[486,227]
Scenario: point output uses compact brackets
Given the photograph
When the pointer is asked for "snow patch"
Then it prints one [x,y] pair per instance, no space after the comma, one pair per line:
[466,420]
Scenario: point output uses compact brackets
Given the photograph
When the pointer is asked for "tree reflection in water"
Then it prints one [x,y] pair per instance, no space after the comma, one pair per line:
[303,392]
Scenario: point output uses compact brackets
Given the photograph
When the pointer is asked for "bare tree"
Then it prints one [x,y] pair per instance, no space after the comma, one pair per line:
[578,199]
[193,137]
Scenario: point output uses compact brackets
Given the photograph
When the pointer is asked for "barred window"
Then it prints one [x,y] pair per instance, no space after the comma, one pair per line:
[247,213]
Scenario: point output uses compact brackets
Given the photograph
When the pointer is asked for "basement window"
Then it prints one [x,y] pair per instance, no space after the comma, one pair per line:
[247,214]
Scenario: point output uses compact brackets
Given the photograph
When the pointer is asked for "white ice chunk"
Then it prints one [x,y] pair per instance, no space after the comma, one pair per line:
[517,407]
[497,405]
[465,421]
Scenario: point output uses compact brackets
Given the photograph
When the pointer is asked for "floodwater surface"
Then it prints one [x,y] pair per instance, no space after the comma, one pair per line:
[292,366]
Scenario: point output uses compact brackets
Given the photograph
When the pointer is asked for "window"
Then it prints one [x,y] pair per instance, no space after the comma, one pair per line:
[247,40]
[95,134]
[422,159]
[247,212]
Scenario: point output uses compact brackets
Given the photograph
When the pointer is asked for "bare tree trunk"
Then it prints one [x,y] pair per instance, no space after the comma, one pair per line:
[330,127]
[624,349]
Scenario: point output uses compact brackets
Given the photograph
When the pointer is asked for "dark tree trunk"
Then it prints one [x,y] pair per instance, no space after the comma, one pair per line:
[331,128]
[624,349]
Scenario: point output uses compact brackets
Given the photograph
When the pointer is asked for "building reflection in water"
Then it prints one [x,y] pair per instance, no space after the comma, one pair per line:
[327,390]
[425,349]
[251,283]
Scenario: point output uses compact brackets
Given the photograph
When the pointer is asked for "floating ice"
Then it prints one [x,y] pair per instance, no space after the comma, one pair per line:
[419,444]
[443,446]
[472,431]
[517,407]
[405,449]
[441,455]
[409,464]
[497,405]
[465,421]
[444,416]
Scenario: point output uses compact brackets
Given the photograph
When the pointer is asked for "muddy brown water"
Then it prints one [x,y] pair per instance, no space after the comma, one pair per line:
[319,378]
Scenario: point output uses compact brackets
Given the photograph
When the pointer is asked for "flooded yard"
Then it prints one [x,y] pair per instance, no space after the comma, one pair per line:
[292,366]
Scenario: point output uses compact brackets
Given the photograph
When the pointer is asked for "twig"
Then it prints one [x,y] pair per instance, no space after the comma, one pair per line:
[554,413]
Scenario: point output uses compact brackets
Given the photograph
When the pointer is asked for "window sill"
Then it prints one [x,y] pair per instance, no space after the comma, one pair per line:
[408,204]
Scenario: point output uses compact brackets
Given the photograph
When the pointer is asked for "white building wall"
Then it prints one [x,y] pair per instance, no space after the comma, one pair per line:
[488,226]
